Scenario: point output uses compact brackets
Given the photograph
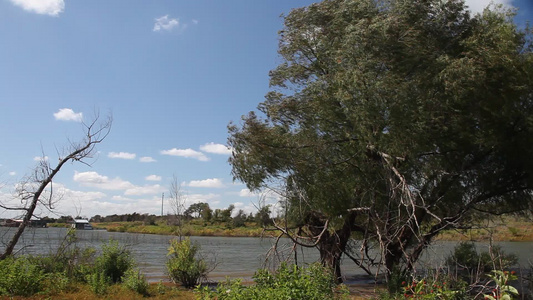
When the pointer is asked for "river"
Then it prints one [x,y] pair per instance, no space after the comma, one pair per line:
[235,257]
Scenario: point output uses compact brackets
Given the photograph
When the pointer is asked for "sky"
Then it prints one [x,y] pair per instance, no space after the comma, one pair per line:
[172,74]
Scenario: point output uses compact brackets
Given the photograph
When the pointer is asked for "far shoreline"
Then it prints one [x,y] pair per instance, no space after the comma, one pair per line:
[503,230]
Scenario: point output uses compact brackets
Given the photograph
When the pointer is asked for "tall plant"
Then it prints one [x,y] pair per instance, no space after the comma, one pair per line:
[184,264]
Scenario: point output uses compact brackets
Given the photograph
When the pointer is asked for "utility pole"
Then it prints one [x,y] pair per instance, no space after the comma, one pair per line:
[162,197]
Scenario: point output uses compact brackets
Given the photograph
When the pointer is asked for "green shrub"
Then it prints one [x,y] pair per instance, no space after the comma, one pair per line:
[466,259]
[288,282]
[20,277]
[56,282]
[135,281]
[114,261]
[184,266]
[98,282]
[432,287]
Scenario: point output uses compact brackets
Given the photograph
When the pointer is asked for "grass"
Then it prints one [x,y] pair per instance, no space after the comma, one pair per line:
[508,228]
[82,291]
[192,228]
[499,229]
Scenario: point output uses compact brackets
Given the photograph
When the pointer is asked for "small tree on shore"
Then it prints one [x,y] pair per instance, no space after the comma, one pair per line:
[184,264]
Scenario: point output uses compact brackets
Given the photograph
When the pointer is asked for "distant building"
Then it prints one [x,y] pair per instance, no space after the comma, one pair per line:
[81,224]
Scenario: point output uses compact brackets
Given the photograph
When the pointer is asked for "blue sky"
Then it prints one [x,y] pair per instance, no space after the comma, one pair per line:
[173,74]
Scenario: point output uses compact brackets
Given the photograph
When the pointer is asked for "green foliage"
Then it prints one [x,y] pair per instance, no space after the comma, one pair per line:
[98,282]
[184,266]
[411,109]
[262,217]
[135,281]
[20,277]
[288,282]
[432,287]
[428,290]
[502,290]
[240,219]
[160,288]
[397,280]
[113,263]
[514,231]
[69,260]
[466,259]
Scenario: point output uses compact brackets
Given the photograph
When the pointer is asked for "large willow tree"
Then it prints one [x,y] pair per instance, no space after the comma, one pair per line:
[392,120]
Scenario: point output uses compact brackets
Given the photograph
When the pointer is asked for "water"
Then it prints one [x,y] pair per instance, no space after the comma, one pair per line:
[235,257]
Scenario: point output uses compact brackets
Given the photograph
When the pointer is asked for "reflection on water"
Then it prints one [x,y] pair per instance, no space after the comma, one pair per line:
[234,257]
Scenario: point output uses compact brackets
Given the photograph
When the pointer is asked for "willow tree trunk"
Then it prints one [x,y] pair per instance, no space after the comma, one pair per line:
[332,244]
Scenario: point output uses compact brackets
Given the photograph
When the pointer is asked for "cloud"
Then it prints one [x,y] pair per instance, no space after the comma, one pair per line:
[207,183]
[165,23]
[122,155]
[144,190]
[207,198]
[147,159]
[247,193]
[477,6]
[40,158]
[248,208]
[67,114]
[189,153]
[216,149]
[122,199]
[12,173]
[94,179]
[195,22]
[153,178]
[43,7]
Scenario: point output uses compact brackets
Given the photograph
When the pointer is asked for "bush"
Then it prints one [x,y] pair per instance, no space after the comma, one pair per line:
[288,282]
[20,277]
[184,266]
[98,282]
[465,258]
[114,261]
[135,281]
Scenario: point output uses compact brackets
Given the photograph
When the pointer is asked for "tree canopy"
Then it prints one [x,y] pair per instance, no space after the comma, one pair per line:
[395,120]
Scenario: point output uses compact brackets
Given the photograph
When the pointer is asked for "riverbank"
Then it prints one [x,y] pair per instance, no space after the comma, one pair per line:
[508,229]
[503,229]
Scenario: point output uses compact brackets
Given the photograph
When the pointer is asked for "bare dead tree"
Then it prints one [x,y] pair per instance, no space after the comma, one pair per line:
[37,188]
[177,202]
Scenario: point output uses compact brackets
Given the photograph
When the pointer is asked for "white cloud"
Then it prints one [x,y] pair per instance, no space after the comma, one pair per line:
[208,198]
[94,179]
[147,159]
[40,158]
[478,5]
[12,173]
[43,7]
[195,22]
[165,23]
[247,193]
[207,183]
[153,178]
[67,114]
[122,199]
[216,149]
[144,190]
[122,155]
[189,153]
